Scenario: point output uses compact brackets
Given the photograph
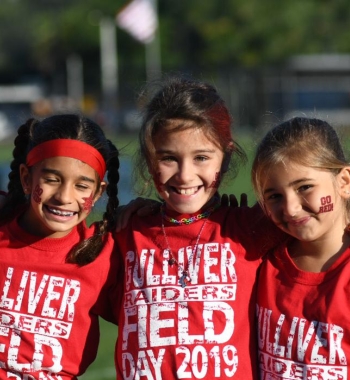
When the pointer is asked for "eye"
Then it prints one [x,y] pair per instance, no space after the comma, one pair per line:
[201,158]
[304,188]
[51,179]
[273,197]
[167,158]
[82,186]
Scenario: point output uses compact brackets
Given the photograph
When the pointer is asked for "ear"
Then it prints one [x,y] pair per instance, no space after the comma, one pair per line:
[343,179]
[26,178]
[101,190]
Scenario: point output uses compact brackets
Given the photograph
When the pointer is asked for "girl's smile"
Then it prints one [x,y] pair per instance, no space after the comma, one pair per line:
[59,196]
[187,166]
[58,215]
[188,191]
[299,221]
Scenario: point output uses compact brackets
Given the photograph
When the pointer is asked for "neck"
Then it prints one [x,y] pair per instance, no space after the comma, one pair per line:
[318,256]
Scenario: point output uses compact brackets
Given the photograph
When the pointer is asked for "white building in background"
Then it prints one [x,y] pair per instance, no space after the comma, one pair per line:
[313,86]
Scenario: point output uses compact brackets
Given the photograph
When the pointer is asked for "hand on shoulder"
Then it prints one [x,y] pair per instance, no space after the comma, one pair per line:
[140,206]
[231,200]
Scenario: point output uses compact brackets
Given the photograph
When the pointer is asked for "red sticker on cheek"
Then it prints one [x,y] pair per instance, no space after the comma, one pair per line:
[215,184]
[36,194]
[88,203]
[326,204]
[157,183]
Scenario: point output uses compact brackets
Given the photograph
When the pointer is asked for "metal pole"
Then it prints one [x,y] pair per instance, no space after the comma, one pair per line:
[109,66]
[75,80]
[152,50]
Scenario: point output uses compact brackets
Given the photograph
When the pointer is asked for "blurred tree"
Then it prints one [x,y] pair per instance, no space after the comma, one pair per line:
[37,36]
[251,32]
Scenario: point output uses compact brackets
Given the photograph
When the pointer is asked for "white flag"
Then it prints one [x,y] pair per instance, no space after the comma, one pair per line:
[139,19]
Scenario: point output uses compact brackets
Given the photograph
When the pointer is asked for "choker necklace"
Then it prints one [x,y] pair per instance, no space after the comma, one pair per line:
[193,218]
[186,278]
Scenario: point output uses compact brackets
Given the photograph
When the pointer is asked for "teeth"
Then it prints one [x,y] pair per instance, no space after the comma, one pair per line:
[187,191]
[61,213]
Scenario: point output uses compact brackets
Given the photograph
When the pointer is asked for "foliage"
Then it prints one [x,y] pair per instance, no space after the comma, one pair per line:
[36,36]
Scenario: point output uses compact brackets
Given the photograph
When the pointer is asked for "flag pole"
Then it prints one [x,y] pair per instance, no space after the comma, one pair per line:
[75,79]
[109,67]
[152,51]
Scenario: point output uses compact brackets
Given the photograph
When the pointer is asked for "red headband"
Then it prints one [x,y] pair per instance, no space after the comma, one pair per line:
[68,148]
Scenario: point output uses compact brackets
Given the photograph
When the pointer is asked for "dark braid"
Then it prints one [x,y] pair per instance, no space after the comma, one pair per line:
[81,255]
[16,196]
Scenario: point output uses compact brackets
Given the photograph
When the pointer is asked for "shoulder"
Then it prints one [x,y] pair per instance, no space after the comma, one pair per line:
[140,222]
[244,217]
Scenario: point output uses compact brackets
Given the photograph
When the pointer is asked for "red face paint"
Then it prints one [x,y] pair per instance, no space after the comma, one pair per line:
[215,184]
[157,183]
[326,204]
[88,203]
[36,194]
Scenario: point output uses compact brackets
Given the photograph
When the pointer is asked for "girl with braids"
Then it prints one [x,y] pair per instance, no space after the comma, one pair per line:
[56,274]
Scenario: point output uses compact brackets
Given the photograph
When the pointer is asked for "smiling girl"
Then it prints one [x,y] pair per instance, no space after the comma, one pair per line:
[302,180]
[55,272]
[190,269]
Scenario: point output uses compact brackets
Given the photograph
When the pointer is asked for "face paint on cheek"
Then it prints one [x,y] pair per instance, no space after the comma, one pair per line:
[36,194]
[326,204]
[215,184]
[88,203]
[157,183]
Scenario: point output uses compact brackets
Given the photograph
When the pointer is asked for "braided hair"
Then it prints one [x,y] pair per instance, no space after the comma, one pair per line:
[66,126]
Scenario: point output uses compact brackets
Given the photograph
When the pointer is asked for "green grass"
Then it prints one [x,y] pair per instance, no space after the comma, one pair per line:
[103,367]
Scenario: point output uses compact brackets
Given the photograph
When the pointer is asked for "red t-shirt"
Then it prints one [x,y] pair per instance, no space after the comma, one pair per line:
[49,309]
[205,330]
[303,320]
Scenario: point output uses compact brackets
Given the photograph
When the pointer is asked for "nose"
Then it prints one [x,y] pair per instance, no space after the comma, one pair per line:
[185,172]
[291,205]
[64,194]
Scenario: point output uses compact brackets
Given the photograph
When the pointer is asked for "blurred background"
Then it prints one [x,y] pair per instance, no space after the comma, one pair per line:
[269,59]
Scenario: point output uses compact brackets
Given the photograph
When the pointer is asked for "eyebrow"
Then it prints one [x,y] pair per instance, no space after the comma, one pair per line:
[57,172]
[290,184]
[198,151]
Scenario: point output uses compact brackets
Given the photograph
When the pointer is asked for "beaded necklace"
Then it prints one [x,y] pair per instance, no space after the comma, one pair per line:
[193,218]
[186,278]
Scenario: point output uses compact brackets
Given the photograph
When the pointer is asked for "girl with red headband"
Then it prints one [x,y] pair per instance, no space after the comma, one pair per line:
[55,272]
[189,302]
